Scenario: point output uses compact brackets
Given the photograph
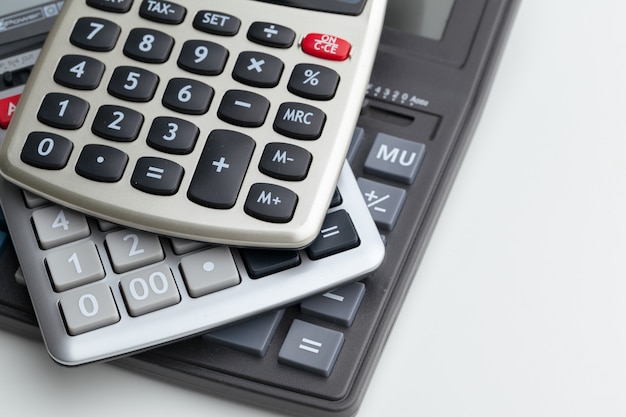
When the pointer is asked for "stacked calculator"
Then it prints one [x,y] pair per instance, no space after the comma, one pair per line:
[208,126]
[315,353]
[218,122]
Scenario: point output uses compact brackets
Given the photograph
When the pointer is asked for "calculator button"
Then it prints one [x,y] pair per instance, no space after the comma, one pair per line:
[74,266]
[243,108]
[118,6]
[133,84]
[262,262]
[203,57]
[95,34]
[157,176]
[311,347]
[79,72]
[88,308]
[252,336]
[173,135]
[337,306]
[162,11]
[271,203]
[101,163]
[384,201]
[149,290]
[326,46]
[337,235]
[313,81]
[221,169]
[131,249]
[8,105]
[271,34]
[33,200]
[117,123]
[299,121]
[187,96]
[183,246]
[209,271]
[56,225]
[395,158]
[216,23]
[358,136]
[148,45]
[46,150]
[258,69]
[63,111]
[337,199]
[285,161]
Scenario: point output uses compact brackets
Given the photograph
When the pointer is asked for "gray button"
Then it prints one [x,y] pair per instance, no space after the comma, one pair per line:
[358,136]
[88,308]
[337,306]
[252,336]
[311,348]
[149,290]
[395,158]
[209,271]
[75,265]
[383,201]
[56,226]
[132,249]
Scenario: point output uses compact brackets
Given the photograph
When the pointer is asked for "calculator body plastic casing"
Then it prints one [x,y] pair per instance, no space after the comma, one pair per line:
[176,215]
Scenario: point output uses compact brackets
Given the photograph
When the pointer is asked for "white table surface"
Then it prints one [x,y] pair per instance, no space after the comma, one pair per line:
[519,307]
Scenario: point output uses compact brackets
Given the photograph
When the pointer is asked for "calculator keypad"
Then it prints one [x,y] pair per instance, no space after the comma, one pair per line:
[94,280]
[158,87]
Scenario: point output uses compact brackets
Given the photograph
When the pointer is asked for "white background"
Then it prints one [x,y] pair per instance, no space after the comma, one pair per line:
[519,307]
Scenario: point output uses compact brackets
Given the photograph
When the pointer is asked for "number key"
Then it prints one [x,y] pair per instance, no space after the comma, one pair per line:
[173,135]
[87,309]
[132,249]
[46,150]
[149,290]
[148,45]
[63,111]
[187,96]
[80,72]
[117,123]
[95,34]
[56,225]
[203,57]
[133,84]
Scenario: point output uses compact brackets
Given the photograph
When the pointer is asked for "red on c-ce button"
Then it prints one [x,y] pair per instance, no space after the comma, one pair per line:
[7,108]
[326,46]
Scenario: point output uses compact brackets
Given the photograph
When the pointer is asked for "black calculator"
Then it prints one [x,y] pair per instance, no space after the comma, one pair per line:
[428,86]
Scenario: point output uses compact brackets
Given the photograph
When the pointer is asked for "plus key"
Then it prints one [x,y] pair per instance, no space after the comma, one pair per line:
[221,169]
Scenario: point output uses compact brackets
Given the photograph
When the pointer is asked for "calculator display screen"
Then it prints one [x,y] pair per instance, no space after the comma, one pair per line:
[427,18]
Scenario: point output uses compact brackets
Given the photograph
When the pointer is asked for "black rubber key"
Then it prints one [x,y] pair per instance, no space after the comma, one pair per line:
[271,203]
[95,34]
[46,150]
[337,235]
[157,176]
[221,169]
[101,163]
[79,72]
[63,111]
